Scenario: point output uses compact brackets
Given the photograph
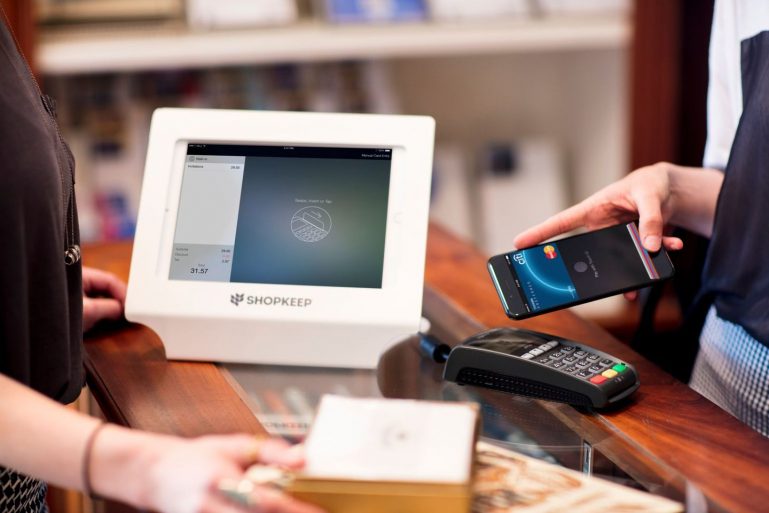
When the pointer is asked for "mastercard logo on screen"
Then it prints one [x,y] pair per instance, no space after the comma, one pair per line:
[550,253]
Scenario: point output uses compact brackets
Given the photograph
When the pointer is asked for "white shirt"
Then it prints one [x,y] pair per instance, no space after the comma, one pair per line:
[733,22]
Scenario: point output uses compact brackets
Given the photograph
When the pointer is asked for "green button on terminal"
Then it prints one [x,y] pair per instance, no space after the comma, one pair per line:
[619,367]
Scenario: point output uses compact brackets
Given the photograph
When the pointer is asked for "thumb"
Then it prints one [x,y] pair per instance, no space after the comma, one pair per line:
[650,222]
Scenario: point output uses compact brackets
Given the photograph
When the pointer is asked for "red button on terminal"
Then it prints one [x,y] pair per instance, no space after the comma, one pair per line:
[597,379]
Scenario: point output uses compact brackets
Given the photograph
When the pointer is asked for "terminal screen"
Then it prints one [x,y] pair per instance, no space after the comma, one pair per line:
[282,215]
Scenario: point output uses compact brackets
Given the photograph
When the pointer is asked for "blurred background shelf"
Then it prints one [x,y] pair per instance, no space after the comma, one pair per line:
[78,49]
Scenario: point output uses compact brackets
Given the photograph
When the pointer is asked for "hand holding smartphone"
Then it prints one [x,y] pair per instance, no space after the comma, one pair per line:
[575,270]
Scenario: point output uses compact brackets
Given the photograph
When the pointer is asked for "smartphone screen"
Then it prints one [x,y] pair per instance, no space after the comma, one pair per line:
[575,270]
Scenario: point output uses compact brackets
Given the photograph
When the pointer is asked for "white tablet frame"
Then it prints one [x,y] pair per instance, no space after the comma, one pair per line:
[343,327]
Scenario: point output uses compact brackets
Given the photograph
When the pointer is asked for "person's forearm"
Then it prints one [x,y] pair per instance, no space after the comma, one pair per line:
[695,192]
[40,437]
[46,440]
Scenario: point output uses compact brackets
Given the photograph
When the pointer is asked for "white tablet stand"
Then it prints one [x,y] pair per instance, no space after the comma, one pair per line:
[282,238]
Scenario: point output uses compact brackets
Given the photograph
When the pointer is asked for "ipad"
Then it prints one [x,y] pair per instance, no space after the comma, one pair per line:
[282,238]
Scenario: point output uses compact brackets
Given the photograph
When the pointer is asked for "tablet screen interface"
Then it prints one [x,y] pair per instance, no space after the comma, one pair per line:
[282,215]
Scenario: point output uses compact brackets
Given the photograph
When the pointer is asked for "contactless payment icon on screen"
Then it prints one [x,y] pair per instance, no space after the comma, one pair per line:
[311,224]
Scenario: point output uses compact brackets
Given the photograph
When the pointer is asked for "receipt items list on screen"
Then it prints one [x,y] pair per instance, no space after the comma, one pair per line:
[207,218]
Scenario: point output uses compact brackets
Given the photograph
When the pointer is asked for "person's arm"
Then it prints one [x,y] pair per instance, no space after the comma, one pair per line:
[657,195]
[695,192]
[44,439]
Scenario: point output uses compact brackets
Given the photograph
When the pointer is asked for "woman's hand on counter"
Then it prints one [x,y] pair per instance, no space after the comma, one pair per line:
[103,297]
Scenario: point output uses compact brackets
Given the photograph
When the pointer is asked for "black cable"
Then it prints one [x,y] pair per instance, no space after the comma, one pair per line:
[431,347]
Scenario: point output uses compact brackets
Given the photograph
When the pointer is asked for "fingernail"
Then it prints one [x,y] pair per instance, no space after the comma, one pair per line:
[652,242]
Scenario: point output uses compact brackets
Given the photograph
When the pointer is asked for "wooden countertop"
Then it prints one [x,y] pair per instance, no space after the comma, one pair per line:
[135,385]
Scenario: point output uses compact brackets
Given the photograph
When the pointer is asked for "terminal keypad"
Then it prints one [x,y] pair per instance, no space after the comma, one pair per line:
[572,360]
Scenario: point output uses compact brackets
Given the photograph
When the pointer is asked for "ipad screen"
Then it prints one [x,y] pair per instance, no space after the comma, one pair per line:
[282,215]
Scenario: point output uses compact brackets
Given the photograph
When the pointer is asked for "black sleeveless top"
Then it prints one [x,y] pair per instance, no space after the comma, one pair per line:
[41,303]
[736,275]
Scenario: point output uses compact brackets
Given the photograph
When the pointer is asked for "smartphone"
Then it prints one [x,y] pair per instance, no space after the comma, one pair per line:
[576,270]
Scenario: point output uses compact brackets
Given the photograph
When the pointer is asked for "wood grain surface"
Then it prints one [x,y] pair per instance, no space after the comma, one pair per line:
[681,432]
[136,386]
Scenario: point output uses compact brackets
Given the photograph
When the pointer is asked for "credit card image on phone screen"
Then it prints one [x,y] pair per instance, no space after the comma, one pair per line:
[576,270]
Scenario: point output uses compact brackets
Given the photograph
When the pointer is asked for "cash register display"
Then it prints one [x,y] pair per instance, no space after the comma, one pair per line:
[282,215]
